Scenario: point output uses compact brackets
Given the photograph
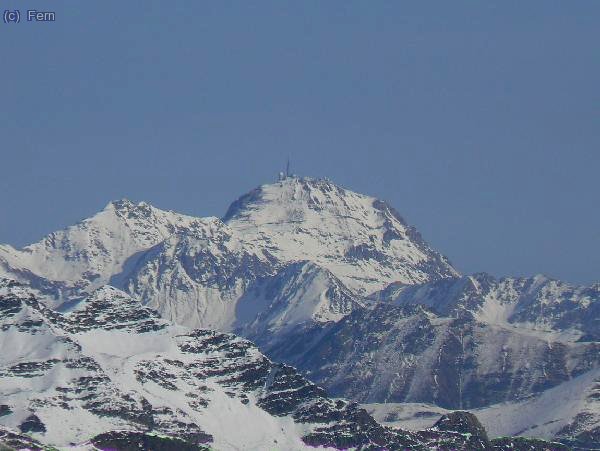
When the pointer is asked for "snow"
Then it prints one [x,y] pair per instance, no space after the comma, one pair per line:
[97,248]
[544,415]
[302,293]
[120,354]
[410,416]
[540,416]
[194,271]
[307,219]
[294,253]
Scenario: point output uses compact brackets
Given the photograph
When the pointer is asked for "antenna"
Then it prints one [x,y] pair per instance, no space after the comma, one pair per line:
[287,168]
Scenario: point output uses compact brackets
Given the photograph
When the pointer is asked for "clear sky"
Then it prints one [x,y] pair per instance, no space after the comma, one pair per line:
[479,121]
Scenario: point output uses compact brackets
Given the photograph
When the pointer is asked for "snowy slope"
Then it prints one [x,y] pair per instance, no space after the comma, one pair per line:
[360,239]
[88,254]
[110,364]
[536,304]
[299,295]
[197,280]
[562,412]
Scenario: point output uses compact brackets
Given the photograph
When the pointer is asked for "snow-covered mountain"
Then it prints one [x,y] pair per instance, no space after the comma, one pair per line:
[110,371]
[110,364]
[334,283]
[301,295]
[360,239]
[88,254]
[197,280]
[533,304]
[195,270]
[468,343]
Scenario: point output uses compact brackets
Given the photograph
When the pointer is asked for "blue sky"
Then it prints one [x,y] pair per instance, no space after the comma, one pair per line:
[478,121]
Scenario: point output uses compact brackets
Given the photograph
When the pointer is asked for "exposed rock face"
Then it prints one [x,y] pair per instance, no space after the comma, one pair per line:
[537,303]
[329,281]
[32,424]
[461,344]
[111,309]
[134,441]
[12,440]
[395,354]
[114,372]
[464,423]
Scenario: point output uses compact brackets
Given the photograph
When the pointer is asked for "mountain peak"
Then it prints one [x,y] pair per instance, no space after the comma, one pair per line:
[292,189]
[89,253]
[119,204]
[359,238]
[125,206]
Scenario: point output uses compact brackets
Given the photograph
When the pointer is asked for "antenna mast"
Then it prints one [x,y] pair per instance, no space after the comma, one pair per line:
[287,168]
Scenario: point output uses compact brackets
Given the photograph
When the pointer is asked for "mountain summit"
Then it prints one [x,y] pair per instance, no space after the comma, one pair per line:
[195,270]
[360,239]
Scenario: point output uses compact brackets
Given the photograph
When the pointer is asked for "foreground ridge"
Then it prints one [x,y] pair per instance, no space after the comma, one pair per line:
[110,372]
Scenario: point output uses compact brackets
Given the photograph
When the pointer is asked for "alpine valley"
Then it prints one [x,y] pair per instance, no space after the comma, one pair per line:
[308,316]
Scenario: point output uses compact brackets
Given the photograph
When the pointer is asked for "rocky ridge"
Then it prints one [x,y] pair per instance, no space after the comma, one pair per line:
[336,284]
[112,372]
